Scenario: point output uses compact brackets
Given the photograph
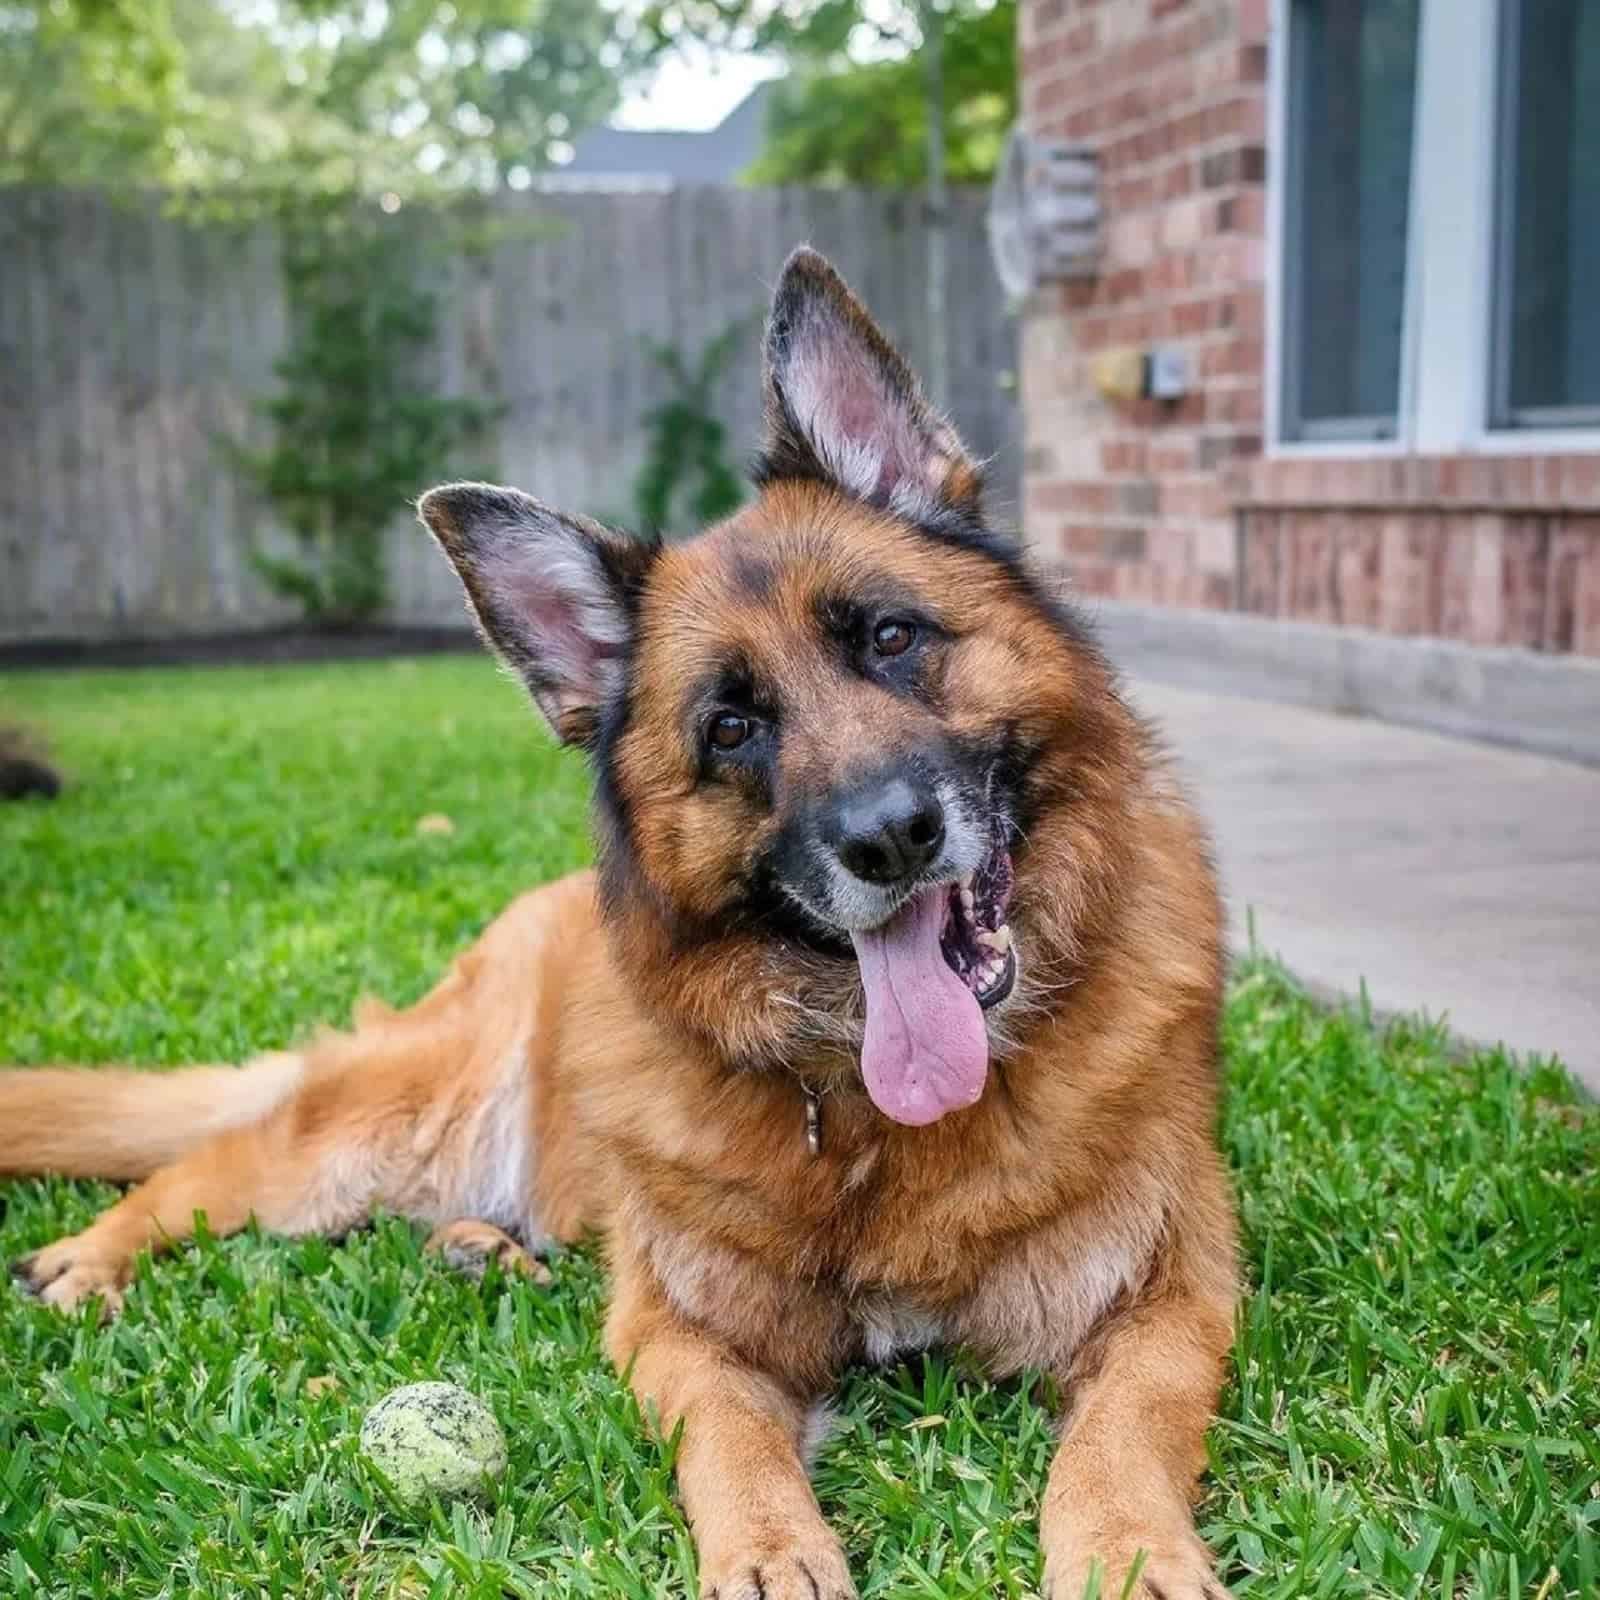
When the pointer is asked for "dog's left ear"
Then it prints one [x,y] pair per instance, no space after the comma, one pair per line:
[554,595]
[843,406]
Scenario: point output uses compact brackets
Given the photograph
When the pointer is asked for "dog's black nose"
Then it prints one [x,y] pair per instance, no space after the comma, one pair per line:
[888,833]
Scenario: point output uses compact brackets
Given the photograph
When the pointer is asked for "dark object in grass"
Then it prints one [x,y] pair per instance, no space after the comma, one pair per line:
[23,771]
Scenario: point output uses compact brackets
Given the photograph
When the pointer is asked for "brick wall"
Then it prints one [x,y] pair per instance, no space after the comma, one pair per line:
[1129,494]
[1173,504]
[1495,550]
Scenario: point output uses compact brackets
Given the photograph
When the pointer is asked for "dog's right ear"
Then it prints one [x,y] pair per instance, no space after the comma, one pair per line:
[554,595]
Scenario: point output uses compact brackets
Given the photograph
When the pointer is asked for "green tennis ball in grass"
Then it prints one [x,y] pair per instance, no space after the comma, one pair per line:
[434,1439]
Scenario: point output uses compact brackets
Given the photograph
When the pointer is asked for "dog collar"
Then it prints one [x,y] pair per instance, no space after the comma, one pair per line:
[813,1119]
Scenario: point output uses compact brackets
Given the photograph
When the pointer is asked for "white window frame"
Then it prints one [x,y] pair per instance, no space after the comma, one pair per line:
[1446,355]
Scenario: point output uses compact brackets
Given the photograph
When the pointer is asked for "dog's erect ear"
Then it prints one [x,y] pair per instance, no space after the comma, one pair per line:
[843,406]
[554,595]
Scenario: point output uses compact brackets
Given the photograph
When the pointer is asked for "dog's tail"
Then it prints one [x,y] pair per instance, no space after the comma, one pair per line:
[85,1122]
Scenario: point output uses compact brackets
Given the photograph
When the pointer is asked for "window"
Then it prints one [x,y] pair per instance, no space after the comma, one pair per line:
[1547,288]
[1434,204]
[1352,94]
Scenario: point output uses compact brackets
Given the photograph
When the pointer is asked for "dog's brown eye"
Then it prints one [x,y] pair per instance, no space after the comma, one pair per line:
[893,638]
[728,732]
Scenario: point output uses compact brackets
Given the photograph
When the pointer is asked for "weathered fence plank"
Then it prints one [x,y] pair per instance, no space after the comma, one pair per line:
[132,343]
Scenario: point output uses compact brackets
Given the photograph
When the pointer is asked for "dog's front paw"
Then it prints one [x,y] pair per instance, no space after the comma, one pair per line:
[1173,1565]
[66,1274]
[806,1569]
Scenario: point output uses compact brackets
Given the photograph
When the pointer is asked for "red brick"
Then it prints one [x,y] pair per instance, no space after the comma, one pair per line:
[1166,459]
[1124,544]
[1586,601]
[1259,576]
[1092,578]
[1170,274]
[1241,404]
[1081,539]
[1077,294]
[1218,449]
[1190,317]
[1567,551]
[1580,481]
[1054,496]
[1524,575]
[1254,20]
[1081,495]
[1176,181]
[1232,356]
[1127,284]
[1355,571]
[1547,481]
[1200,497]
[1243,213]
[1409,573]
[1122,457]
[1232,165]
[1083,38]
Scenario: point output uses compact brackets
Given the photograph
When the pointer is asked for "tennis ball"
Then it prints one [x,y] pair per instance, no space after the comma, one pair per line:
[433,1439]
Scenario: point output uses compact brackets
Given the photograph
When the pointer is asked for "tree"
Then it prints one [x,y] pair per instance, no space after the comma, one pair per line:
[408,97]
[867,122]
[87,90]
[834,38]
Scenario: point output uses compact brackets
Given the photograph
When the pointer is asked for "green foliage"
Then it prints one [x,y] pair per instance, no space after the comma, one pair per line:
[846,122]
[795,28]
[855,107]
[687,480]
[1413,1395]
[308,96]
[87,90]
[358,428]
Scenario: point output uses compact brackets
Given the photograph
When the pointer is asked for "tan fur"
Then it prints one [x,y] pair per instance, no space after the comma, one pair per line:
[630,1063]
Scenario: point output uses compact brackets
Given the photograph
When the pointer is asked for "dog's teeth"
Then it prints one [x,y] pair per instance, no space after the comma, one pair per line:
[965,880]
[1000,939]
[989,940]
[966,900]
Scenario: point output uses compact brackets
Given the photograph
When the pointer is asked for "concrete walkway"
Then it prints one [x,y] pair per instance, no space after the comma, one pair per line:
[1457,879]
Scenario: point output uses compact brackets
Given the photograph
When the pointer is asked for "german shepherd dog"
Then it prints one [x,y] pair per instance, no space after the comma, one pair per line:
[888,1018]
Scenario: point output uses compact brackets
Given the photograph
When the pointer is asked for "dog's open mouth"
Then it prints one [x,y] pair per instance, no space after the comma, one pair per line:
[929,973]
[976,938]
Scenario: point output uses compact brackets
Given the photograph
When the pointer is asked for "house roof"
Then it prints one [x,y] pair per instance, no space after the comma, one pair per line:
[637,155]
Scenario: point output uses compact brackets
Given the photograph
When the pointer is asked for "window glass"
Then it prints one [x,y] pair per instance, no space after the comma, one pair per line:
[1547,354]
[1352,93]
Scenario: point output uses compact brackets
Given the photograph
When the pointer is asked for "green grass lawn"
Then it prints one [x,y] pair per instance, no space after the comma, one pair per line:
[1416,1397]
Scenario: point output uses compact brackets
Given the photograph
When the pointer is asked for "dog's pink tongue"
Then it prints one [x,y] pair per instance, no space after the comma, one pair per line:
[926,1051]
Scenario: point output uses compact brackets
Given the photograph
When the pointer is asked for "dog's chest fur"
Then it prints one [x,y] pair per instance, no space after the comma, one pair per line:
[846,1257]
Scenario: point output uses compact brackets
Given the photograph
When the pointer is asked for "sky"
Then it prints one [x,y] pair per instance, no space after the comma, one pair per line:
[695,88]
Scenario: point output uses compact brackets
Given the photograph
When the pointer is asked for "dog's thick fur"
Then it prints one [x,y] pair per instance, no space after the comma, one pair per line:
[629,1051]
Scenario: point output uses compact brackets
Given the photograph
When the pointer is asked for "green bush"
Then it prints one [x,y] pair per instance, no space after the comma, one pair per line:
[358,427]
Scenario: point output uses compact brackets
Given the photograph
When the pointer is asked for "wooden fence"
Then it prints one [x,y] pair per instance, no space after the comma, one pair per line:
[132,343]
